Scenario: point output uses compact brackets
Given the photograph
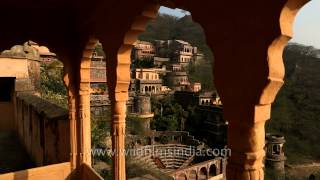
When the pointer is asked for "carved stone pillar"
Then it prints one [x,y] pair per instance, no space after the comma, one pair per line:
[84,109]
[118,74]
[118,77]
[69,81]
[246,137]
[118,138]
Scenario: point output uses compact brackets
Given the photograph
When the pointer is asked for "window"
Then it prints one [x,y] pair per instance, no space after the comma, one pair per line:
[276,149]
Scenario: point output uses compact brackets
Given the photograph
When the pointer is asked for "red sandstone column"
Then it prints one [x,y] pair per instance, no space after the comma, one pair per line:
[118,139]
[246,138]
[85,124]
[84,103]
[69,81]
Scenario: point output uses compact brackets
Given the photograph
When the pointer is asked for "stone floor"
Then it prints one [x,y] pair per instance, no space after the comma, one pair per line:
[12,154]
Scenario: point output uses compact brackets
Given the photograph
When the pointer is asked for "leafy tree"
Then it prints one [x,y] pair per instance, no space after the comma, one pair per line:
[99,132]
[51,83]
[202,72]
[169,115]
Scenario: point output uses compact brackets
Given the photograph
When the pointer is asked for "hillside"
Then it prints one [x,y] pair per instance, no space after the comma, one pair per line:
[296,111]
[166,27]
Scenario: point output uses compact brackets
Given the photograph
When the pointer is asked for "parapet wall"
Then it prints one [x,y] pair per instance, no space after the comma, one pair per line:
[43,128]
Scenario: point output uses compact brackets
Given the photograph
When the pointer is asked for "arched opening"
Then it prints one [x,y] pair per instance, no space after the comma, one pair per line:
[203,173]
[189,60]
[213,170]
[94,59]
[288,116]
[296,100]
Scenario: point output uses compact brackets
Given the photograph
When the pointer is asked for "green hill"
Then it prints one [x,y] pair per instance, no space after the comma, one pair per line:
[296,111]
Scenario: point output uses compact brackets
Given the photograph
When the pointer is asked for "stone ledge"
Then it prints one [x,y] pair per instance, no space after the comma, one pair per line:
[49,110]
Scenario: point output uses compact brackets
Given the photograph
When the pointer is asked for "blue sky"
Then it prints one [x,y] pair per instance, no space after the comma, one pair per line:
[306,28]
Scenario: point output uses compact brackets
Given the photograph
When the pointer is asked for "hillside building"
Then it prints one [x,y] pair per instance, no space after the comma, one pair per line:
[195,87]
[183,52]
[177,78]
[143,50]
[147,80]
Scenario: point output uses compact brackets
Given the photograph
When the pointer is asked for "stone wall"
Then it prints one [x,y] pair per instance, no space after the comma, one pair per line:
[43,128]
[98,71]
[26,72]
[34,73]
[6,111]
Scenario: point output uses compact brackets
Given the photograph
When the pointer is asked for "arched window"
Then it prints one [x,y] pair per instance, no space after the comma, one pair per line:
[213,170]
[203,174]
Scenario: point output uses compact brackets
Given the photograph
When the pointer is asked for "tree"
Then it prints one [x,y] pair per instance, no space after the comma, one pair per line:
[51,83]
[202,72]
[166,123]
[169,115]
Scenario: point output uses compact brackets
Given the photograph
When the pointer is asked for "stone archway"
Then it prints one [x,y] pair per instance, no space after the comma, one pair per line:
[84,101]
[203,173]
[213,170]
[256,87]
[246,161]
[118,82]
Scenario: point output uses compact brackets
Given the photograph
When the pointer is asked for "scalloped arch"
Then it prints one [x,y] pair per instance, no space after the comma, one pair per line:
[123,56]
[275,51]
